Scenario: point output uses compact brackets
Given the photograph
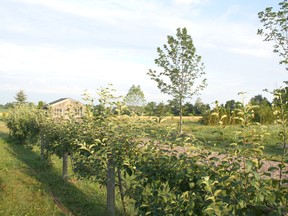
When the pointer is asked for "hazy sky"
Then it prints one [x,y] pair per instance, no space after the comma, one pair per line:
[60,48]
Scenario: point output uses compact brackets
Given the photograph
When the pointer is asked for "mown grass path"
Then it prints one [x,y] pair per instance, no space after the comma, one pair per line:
[20,192]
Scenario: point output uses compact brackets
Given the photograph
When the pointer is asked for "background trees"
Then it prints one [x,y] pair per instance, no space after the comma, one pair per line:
[150,108]
[264,113]
[182,68]
[200,108]
[6,106]
[135,99]
[20,97]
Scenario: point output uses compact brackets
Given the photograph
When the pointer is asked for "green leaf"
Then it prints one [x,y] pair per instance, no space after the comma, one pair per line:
[217,192]
[209,209]
[223,117]
[271,169]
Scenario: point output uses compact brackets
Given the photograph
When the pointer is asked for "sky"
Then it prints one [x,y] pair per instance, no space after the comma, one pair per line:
[62,48]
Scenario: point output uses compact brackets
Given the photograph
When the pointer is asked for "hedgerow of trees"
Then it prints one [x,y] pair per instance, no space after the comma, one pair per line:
[131,156]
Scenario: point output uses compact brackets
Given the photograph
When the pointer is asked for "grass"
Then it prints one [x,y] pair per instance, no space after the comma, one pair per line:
[30,187]
[212,138]
[20,192]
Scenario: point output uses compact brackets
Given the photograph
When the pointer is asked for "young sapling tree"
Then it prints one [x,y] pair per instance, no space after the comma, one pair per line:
[181,69]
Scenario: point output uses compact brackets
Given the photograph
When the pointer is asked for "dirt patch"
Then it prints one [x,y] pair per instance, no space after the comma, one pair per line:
[265,168]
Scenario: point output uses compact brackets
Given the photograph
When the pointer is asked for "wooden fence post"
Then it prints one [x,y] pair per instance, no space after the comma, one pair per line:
[110,187]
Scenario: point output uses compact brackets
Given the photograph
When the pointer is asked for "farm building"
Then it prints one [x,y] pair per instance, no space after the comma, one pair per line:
[62,106]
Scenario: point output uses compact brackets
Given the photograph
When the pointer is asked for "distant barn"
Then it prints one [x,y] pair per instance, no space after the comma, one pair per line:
[63,106]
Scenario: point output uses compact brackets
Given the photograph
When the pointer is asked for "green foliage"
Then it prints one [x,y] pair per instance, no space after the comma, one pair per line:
[284,96]
[275,26]
[163,179]
[281,113]
[20,97]
[111,141]
[222,115]
[150,109]
[172,108]
[264,114]
[182,69]
[161,171]
[24,123]
[104,123]
[60,134]
[135,99]
[218,115]
[40,104]
[199,182]
[4,107]
[200,108]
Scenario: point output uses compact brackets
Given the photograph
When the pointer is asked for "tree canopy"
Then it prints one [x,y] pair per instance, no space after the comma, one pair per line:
[181,69]
[20,97]
[275,29]
[135,99]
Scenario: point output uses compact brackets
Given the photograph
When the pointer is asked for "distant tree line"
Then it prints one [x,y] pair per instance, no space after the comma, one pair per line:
[170,108]
[262,108]
[20,98]
[6,106]
[135,100]
[262,112]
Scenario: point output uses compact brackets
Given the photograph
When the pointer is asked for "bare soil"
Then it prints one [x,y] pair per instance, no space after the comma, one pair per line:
[267,164]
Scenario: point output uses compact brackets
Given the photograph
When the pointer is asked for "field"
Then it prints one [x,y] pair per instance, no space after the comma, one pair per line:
[3,113]
[219,138]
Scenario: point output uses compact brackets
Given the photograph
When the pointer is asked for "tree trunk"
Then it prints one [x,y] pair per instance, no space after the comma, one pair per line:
[120,182]
[65,165]
[42,147]
[110,187]
[180,114]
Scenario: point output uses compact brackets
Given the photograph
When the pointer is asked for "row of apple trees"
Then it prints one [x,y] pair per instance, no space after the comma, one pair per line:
[158,170]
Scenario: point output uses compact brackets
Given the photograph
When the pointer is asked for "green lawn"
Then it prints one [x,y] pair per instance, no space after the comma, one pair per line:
[21,193]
